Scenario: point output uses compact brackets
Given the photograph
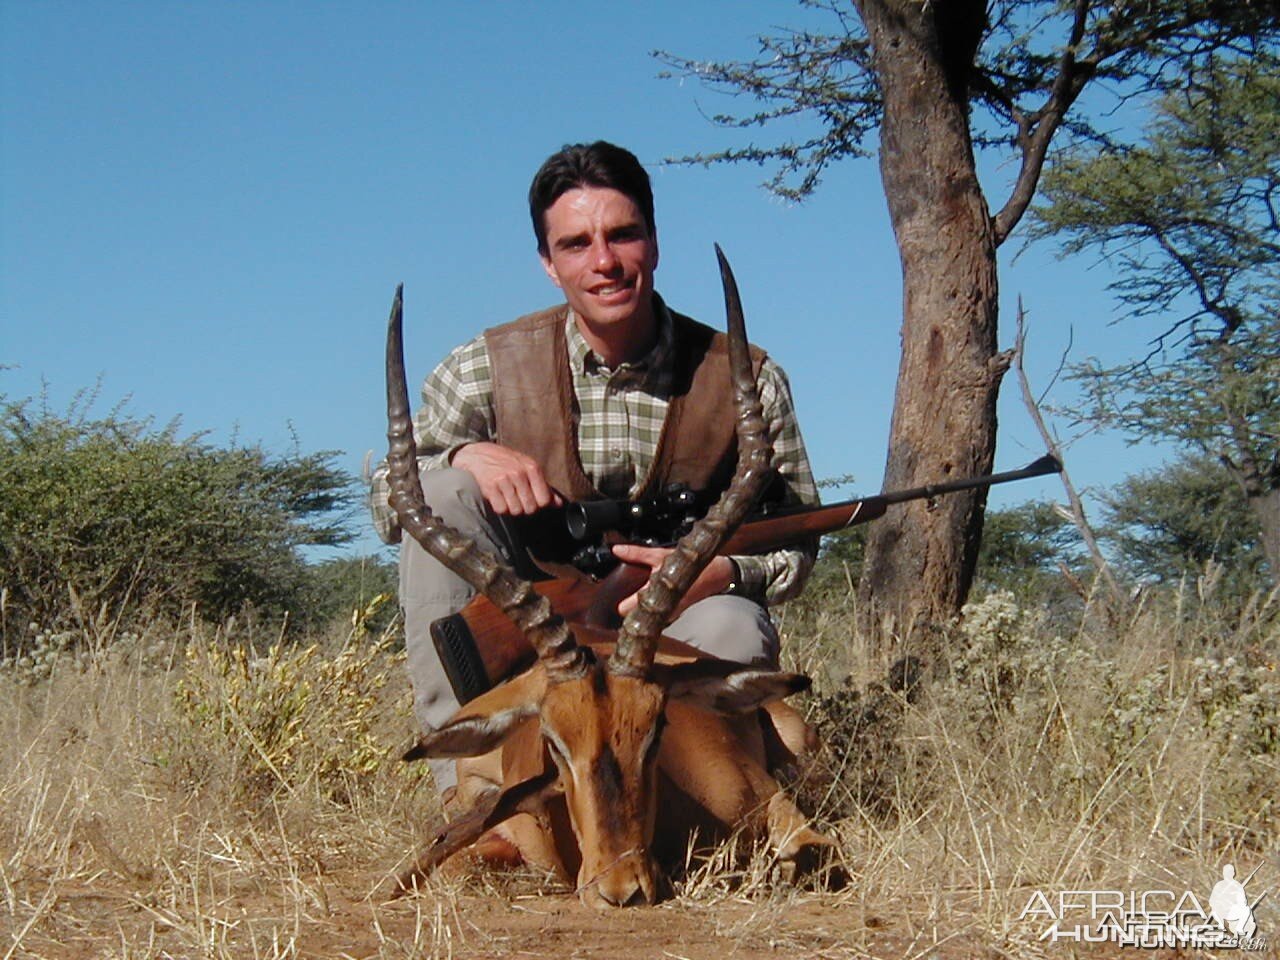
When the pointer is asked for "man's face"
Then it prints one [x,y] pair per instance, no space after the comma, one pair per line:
[602,255]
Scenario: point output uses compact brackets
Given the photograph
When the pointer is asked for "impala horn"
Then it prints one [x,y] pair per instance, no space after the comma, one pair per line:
[638,638]
[546,630]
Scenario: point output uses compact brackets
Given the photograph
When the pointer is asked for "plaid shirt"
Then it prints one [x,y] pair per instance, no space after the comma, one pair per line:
[622,411]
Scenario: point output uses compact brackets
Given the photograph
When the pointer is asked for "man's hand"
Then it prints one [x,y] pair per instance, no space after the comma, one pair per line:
[714,579]
[511,483]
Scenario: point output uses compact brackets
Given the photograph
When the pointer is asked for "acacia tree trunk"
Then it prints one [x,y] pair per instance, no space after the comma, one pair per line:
[920,556]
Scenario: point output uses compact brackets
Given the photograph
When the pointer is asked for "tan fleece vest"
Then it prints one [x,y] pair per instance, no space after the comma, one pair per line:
[534,409]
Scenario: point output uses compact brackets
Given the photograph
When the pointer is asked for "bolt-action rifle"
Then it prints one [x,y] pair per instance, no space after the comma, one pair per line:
[480,647]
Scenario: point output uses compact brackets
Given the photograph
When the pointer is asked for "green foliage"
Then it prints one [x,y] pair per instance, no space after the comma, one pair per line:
[45,652]
[1179,520]
[353,587]
[1023,546]
[1000,75]
[845,548]
[819,85]
[1003,655]
[1022,549]
[102,514]
[1188,212]
[1239,701]
[1191,219]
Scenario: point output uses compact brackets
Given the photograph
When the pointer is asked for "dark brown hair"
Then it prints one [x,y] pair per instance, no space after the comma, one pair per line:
[598,164]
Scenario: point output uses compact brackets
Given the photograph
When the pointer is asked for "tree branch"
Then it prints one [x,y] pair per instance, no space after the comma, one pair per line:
[1229,315]
[1034,138]
[1077,506]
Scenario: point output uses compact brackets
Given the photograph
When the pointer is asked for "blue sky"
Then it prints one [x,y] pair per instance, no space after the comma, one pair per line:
[206,206]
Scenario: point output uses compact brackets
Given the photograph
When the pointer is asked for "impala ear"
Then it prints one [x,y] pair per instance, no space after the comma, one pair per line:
[724,687]
[470,736]
[483,723]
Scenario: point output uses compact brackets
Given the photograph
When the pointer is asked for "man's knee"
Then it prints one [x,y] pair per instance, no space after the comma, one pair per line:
[453,495]
[429,591]
[731,628]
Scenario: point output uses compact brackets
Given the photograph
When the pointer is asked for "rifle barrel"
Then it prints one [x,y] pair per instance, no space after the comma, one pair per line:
[1045,465]
[794,524]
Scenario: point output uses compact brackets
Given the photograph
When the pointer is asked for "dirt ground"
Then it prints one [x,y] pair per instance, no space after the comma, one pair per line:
[336,918]
[109,921]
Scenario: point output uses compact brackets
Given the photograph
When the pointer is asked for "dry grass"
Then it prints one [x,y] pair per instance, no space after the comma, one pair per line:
[185,793]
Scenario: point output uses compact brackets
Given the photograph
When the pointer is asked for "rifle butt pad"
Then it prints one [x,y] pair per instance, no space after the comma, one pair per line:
[460,657]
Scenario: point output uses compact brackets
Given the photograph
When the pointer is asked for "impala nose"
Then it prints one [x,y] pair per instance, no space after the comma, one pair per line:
[628,884]
[623,895]
[637,899]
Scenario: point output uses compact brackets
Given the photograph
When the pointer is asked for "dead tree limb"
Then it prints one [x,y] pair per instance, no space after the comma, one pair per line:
[1051,443]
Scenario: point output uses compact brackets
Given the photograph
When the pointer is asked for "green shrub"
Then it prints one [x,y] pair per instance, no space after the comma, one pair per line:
[343,585]
[1182,519]
[102,514]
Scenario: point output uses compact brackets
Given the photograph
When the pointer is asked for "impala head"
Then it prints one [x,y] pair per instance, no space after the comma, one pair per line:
[599,721]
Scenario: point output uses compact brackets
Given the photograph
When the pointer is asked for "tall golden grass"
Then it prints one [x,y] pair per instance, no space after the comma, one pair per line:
[197,792]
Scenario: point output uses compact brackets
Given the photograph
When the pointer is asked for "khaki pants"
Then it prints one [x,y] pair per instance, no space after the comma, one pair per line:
[731,628]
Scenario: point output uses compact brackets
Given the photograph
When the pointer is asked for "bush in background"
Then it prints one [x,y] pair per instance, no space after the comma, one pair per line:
[1183,518]
[349,588]
[99,515]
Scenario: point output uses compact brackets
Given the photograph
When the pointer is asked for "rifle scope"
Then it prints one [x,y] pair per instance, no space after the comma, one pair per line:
[660,519]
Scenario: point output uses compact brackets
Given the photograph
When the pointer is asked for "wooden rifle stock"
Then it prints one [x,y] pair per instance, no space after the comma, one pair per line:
[480,647]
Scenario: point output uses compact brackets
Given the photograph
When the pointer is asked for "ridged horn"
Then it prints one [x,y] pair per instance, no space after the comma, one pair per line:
[529,610]
[638,638]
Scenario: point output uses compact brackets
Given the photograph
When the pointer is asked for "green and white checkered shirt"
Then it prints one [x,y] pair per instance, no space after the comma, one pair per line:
[621,415]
